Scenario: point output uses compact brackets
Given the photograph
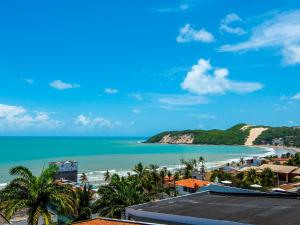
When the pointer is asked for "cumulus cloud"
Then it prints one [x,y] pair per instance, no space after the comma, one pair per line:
[17,117]
[181,7]
[189,34]
[181,100]
[60,85]
[28,81]
[296,96]
[202,116]
[226,23]
[282,31]
[136,96]
[199,80]
[136,111]
[88,121]
[111,91]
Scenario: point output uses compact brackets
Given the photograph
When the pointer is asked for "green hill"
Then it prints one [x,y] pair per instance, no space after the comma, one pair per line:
[232,136]
[236,135]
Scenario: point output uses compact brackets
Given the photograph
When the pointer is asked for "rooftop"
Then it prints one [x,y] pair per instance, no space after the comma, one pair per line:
[257,209]
[192,183]
[297,171]
[279,168]
[106,221]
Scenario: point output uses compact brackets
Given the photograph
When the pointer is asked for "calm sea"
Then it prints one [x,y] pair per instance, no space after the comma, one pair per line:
[97,154]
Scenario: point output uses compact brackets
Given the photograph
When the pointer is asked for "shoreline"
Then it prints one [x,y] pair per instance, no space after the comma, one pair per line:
[96,176]
[293,149]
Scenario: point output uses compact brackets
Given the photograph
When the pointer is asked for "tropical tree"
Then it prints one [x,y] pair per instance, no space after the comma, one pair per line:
[220,175]
[162,174]
[169,174]
[242,161]
[120,193]
[202,166]
[36,194]
[107,176]
[84,178]
[251,177]
[188,167]
[267,177]
[84,196]
[139,169]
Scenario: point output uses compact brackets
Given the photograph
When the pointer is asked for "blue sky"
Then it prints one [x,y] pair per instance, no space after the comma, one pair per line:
[135,68]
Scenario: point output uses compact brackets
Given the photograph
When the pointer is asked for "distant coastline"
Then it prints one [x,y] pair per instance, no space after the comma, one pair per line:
[240,134]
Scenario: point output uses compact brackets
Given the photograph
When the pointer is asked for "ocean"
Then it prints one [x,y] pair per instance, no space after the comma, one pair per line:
[98,154]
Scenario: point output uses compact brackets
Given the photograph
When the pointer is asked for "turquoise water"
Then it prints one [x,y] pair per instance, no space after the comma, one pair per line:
[96,155]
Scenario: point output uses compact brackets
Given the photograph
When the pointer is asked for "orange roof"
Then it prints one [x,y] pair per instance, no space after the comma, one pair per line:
[280,159]
[192,183]
[105,221]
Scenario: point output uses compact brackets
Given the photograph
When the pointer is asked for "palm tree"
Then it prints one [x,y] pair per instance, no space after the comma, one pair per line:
[84,196]
[251,177]
[202,166]
[107,176]
[84,178]
[267,177]
[139,169]
[119,194]
[242,161]
[169,174]
[162,175]
[37,194]
[188,167]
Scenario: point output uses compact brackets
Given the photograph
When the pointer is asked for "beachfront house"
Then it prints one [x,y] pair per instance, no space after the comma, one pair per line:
[198,175]
[67,170]
[190,185]
[255,161]
[284,173]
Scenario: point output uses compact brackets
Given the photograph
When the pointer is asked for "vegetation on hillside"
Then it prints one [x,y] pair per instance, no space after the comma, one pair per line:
[232,136]
[287,136]
[283,136]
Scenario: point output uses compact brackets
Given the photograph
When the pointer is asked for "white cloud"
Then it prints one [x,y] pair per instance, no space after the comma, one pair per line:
[226,23]
[296,96]
[199,81]
[136,96]
[136,111]
[181,100]
[88,121]
[282,31]
[188,34]
[111,91]
[60,85]
[202,116]
[17,117]
[28,81]
[181,7]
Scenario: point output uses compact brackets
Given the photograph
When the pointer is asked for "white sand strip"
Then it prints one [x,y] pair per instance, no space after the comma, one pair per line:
[254,133]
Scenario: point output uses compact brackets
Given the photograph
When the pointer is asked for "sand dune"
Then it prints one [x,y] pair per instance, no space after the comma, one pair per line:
[254,133]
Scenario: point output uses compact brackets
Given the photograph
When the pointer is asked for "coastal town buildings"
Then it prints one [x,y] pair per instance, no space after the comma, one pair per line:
[67,170]
[283,172]
[187,186]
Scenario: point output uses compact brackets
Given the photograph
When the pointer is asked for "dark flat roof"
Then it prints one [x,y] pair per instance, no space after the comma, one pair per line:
[249,209]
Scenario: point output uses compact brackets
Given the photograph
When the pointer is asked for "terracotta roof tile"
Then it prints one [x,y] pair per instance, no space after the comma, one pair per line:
[102,221]
[192,183]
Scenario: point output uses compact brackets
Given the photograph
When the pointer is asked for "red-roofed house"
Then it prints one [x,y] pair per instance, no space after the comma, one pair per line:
[190,185]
